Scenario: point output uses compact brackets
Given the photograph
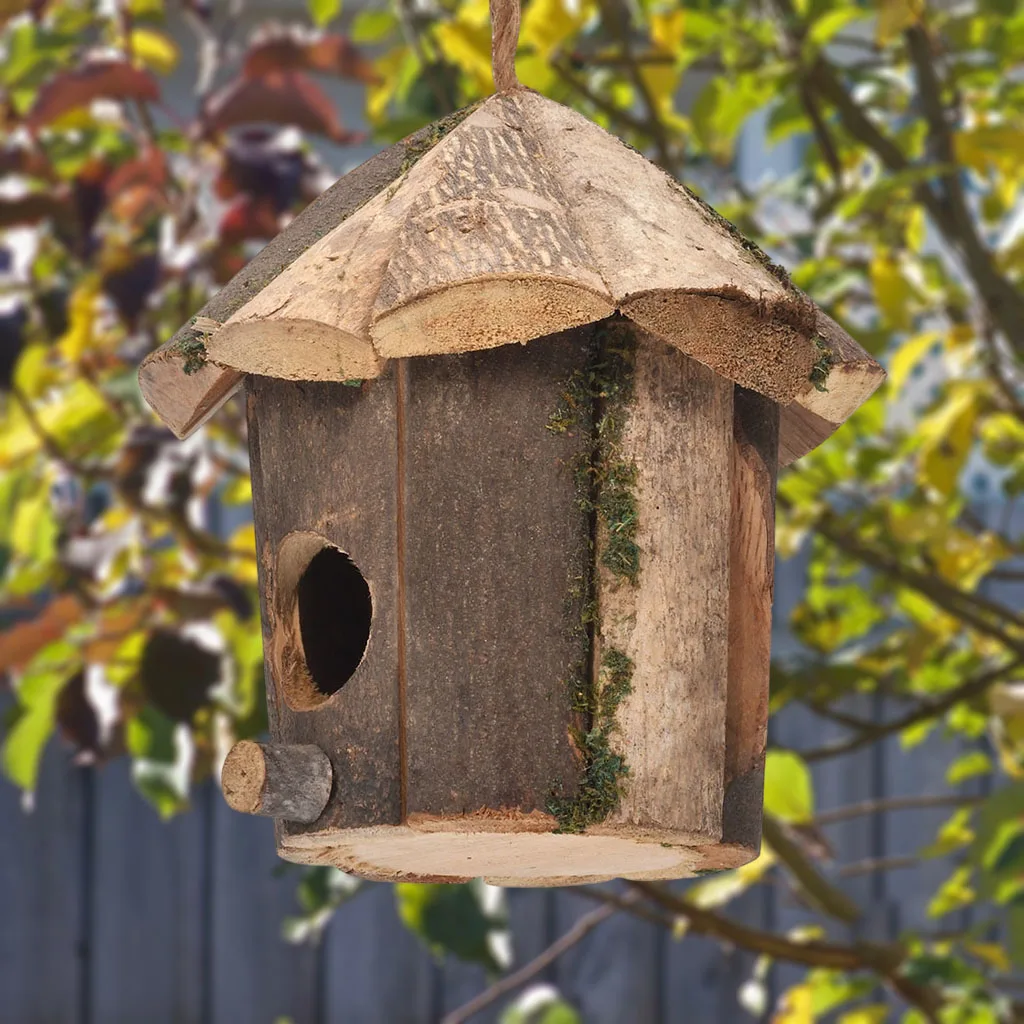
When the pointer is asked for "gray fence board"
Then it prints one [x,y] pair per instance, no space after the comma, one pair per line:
[376,971]
[41,899]
[146,929]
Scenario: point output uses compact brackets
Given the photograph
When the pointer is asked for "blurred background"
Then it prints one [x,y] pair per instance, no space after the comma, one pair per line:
[876,150]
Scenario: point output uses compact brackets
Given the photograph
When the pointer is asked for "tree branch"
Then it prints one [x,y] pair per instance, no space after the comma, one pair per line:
[894,803]
[818,888]
[924,711]
[576,934]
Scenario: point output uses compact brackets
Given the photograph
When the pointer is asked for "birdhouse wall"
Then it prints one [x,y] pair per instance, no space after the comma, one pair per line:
[324,463]
[483,499]
[443,484]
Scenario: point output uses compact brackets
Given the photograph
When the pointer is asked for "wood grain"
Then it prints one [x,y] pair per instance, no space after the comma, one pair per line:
[674,623]
[494,539]
[754,458]
[324,461]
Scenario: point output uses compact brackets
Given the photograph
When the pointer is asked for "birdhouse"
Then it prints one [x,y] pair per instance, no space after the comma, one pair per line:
[516,403]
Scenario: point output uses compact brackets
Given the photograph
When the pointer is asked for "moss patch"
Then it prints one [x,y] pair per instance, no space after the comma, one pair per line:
[193,354]
[598,397]
[595,402]
[822,366]
[600,788]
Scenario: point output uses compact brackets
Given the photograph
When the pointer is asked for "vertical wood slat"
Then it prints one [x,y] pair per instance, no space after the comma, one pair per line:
[674,624]
[494,536]
[42,943]
[146,936]
[305,481]
[753,468]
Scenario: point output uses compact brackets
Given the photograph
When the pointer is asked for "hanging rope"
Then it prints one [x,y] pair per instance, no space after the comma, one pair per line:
[504,40]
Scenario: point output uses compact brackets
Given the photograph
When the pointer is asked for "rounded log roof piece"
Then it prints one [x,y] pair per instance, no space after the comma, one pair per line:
[520,220]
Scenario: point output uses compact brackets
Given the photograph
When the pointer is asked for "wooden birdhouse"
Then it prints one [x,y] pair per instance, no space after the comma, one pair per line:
[516,402]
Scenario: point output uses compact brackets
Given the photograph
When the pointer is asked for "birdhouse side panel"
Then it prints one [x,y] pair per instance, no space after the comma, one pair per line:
[751,582]
[325,480]
[496,568]
[668,620]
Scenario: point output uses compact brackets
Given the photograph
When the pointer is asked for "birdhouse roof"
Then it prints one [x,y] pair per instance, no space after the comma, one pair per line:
[514,220]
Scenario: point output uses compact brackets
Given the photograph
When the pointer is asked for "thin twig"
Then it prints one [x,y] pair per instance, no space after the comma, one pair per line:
[579,931]
[894,803]
[974,687]
[878,864]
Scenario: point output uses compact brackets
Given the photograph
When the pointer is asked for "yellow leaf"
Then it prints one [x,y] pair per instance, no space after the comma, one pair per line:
[876,1013]
[667,30]
[33,373]
[949,437]
[719,890]
[78,419]
[797,1006]
[992,953]
[469,48]
[894,16]
[80,335]
[954,894]
[892,290]
[153,50]
[788,792]
[243,541]
[547,24]
[998,146]
[908,356]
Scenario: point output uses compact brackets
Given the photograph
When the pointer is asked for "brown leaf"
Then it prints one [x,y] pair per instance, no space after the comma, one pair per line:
[281,98]
[177,674]
[288,51]
[32,208]
[136,190]
[19,644]
[97,79]
[249,218]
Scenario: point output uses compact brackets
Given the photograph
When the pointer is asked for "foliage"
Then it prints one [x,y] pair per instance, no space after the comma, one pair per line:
[902,220]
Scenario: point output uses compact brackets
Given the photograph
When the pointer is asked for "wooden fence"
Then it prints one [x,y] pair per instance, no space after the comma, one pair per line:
[110,916]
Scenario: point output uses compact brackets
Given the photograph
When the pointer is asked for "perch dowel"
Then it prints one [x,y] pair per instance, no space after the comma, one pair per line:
[290,782]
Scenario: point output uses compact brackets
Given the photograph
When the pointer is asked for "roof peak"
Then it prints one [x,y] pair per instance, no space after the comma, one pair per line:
[523,219]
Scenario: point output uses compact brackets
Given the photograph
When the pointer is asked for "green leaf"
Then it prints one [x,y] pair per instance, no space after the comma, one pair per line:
[321,891]
[323,11]
[372,26]
[452,919]
[540,1004]
[788,790]
[38,689]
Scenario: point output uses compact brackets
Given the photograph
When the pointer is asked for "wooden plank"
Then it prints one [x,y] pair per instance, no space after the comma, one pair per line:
[148,916]
[41,892]
[751,583]
[494,539]
[674,623]
[324,462]
[375,970]
[254,974]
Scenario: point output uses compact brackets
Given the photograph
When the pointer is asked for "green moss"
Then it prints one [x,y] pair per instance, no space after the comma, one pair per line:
[193,352]
[600,788]
[594,402]
[595,399]
[823,365]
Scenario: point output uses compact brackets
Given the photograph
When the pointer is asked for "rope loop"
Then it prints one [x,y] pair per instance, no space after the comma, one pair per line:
[504,41]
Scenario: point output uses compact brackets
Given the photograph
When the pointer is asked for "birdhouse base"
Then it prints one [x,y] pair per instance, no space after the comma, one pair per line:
[505,853]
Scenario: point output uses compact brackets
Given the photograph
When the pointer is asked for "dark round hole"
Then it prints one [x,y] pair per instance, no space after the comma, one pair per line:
[334,618]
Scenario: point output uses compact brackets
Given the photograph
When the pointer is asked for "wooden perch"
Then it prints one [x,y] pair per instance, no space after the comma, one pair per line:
[290,782]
